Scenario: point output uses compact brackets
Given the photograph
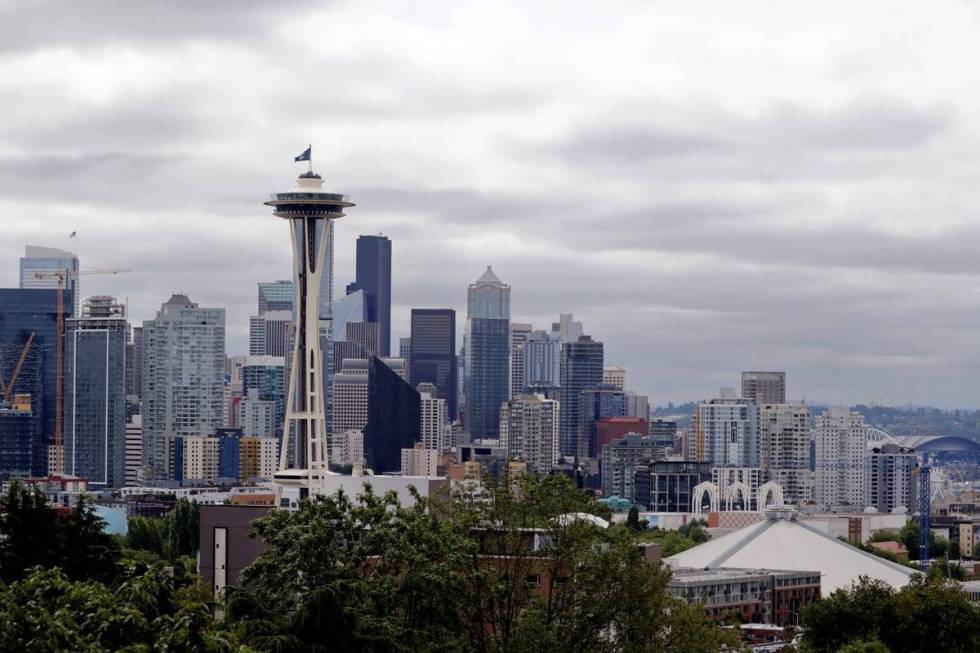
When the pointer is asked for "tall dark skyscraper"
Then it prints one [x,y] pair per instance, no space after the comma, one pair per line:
[394,418]
[603,400]
[95,393]
[22,312]
[374,278]
[487,346]
[581,368]
[432,357]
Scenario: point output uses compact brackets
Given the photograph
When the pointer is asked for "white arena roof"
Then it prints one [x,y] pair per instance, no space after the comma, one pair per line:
[782,542]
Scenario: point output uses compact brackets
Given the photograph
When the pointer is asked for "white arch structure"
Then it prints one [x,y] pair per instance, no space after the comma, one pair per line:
[697,497]
[877,435]
[738,487]
[770,490]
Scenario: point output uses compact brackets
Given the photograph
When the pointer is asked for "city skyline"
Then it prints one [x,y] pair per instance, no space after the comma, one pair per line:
[816,220]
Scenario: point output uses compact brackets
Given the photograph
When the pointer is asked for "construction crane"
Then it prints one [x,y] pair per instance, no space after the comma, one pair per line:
[62,276]
[7,391]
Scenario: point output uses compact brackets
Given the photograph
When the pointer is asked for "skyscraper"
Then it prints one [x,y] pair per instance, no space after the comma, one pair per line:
[183,378]
[487,344]
[890,477]
[267,376]
[581,368]
[95,393]
[840,458]
[432,354]
[374,278]
[764,387]
[22,313]
[48,260]
[519,332]
[595,403]
[435,430]
[614,375]
[394,417]
[529,431]
[726,433]
[350,395]
[268,333]
[542,359]
[276,296]
[784,448]
[310,211]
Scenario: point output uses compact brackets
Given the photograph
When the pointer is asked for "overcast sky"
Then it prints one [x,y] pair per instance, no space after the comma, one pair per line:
[709,186]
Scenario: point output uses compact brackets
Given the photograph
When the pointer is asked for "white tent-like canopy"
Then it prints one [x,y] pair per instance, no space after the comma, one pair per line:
[782,542]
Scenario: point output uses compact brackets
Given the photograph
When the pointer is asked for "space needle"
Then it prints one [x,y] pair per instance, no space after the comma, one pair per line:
[310,211]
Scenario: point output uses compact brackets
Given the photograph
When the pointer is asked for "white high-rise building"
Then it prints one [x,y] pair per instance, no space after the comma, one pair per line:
[200,458]
[134,450]
[183,378]
[257,416]
[541,356]
[529,431]
[726,433]
[784,449]
[435,429]
[841,458]
[890,479]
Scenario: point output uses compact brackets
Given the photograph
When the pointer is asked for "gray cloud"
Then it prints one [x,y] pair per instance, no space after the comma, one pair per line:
[703,206]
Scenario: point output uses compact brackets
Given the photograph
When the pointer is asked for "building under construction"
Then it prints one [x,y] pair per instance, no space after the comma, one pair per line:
[28,340]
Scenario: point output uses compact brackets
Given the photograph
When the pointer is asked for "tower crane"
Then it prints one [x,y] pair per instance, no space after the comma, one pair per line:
[7,390]
[62,276]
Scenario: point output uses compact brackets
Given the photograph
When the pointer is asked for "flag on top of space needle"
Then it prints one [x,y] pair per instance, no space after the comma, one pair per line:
[305,156]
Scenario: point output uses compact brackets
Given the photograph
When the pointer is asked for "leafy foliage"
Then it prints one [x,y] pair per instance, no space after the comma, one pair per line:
[484,570]
[922,616]
[176,534]
[33,534]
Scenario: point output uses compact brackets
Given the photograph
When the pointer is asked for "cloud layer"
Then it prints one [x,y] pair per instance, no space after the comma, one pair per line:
[709,188]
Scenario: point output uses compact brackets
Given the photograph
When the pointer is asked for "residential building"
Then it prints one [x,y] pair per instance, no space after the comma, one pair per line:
[374,278]
[784,449]
[890,478]
[95,393]
[393,418]
[267,376]
[840,458]
[620,460]
[726,433]
[615,376]
[200,458]
[519,332]
[581,368]
[637,405]
[665,431]
[764,387]
[134,450]
[419,461]
[529,431]
[435,429]
[183,378]
[256,416]
[487,345]
[431,351]
[668,485]
[269,333]
[258,457]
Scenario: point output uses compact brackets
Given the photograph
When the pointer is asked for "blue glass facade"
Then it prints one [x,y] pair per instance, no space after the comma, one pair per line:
[394,418]
[432,358]
[270,382]
[229,456]
[22,312]
[374,278]
[487,375]
[595,403]
[581,368]
[95,400]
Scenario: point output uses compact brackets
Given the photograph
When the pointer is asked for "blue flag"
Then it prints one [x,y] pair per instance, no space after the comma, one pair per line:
[305,156]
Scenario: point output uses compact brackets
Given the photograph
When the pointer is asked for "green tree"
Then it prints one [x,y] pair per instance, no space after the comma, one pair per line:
[865,646]
[922,616]
[633,519]
[34,534]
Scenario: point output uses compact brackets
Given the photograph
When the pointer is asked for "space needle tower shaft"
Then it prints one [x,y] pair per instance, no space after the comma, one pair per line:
[309,209]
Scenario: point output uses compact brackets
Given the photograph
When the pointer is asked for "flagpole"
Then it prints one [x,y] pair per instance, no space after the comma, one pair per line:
[310,160]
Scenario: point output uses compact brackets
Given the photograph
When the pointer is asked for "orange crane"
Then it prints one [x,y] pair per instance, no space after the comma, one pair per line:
[62,276]
[7,391]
